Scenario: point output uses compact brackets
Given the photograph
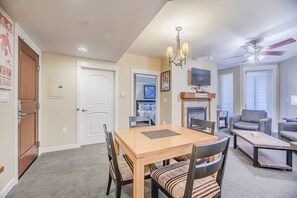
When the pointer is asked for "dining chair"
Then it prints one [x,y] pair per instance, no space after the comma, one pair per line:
[201,126]
[194,178]
[139,121]
[121,167]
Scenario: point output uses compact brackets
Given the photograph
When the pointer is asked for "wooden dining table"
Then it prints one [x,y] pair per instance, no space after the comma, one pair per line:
[143,150]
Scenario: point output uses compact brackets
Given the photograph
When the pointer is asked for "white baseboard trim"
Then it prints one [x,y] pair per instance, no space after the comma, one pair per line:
[8,187]
[58,148]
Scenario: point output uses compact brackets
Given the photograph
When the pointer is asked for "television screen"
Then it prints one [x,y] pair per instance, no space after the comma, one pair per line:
[200,77]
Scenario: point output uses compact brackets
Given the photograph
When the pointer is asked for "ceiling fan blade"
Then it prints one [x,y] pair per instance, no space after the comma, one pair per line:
[273,53]
[282,43]
[247,47]
[234,57]
[245,61]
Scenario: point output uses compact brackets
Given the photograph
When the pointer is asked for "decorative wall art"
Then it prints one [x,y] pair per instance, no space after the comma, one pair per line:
[149,92]
[6,52]
[165,81]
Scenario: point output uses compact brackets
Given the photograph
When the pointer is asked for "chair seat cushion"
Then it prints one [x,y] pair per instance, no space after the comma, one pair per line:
[126,168]
[173,178]
[290,135]
[247,125]
[183,158]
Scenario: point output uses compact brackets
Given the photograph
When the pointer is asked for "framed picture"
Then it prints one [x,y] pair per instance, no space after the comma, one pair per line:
[165,81]
[219,108]
[149,92]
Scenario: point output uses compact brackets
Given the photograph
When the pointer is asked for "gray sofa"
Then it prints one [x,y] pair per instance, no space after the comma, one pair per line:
[287,131]
[254,120]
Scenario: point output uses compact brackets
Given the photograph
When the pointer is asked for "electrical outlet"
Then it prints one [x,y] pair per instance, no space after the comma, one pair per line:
[64,130]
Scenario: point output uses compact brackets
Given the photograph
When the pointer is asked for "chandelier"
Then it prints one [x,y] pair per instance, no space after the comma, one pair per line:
[181,51]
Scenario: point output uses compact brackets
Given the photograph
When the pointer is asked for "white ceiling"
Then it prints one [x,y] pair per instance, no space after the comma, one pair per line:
[216,27]
[58,25]
[220,27]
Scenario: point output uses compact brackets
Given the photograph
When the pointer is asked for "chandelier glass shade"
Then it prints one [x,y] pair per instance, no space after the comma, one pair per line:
[182,50]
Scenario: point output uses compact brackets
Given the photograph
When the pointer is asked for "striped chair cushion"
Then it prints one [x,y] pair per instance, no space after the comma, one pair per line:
[183,158]
[126,168]
[173,179]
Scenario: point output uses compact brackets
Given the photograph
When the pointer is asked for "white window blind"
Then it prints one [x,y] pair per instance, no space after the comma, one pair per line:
[258,92]
[226,93]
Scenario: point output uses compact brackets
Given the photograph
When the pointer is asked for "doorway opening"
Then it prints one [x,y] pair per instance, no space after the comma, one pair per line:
[145,96]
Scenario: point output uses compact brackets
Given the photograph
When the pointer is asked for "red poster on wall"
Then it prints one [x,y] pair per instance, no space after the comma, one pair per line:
[6,52]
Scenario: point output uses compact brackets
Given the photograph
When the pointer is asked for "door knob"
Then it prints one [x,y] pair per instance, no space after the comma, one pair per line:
[22,114]
[84,110]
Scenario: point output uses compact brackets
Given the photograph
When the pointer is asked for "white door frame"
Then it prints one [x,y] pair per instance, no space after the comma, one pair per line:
[98,66]
[19,32]
[146,72]
[274,69]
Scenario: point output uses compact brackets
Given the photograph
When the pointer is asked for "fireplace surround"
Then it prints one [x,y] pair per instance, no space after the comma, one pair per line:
[197,113]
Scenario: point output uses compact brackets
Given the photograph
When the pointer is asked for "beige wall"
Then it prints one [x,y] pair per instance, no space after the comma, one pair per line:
[59,113]
[166,97]
[126,63]
[288,87]
[180,83]
[237,95]
[6,141]
[6,135]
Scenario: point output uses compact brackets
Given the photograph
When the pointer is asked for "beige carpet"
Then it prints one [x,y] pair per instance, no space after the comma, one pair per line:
[83,173]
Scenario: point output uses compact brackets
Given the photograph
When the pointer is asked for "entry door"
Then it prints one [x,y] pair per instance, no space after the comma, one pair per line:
[97,104]
[28,107]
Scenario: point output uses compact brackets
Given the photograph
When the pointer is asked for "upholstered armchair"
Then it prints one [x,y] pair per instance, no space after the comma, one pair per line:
[287,131]
[254,120]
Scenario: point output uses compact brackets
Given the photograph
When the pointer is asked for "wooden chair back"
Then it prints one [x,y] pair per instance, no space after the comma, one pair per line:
[199,170]
[201,125]
[139,121]
[111,153]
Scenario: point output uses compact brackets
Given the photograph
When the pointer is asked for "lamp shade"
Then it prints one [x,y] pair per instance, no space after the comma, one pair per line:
[169,52]
[185,48]
[294,100]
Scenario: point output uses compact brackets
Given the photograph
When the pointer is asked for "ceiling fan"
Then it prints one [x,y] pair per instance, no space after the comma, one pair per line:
[255,52]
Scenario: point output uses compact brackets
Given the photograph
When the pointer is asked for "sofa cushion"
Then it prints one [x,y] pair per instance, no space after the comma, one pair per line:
[253,115]
[292,136]
[247,125]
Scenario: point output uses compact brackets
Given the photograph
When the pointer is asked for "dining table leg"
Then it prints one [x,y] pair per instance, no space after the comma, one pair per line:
[138,178]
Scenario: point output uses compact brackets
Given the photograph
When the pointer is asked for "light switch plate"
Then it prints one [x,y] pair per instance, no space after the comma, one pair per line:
[4,96]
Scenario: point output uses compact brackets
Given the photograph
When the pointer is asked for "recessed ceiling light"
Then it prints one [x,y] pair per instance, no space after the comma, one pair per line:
[82,49]
[86,24]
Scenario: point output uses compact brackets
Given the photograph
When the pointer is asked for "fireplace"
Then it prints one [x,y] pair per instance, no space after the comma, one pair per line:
[196,112]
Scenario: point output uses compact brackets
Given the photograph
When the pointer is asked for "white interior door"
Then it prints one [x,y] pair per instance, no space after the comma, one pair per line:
[97,104]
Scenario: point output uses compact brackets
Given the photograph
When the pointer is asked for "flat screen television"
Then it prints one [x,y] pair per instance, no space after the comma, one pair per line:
[200,77]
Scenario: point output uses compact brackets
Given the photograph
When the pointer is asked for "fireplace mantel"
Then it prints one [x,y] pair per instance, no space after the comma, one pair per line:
[188,97]
[197,95]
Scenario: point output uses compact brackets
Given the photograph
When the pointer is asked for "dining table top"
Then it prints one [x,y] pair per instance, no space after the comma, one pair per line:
[140,145]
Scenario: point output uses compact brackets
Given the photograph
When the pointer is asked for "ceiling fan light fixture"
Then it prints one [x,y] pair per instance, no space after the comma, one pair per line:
[260,57]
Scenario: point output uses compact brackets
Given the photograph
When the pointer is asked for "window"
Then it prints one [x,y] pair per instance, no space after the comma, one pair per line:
[258,90]
[226,92]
